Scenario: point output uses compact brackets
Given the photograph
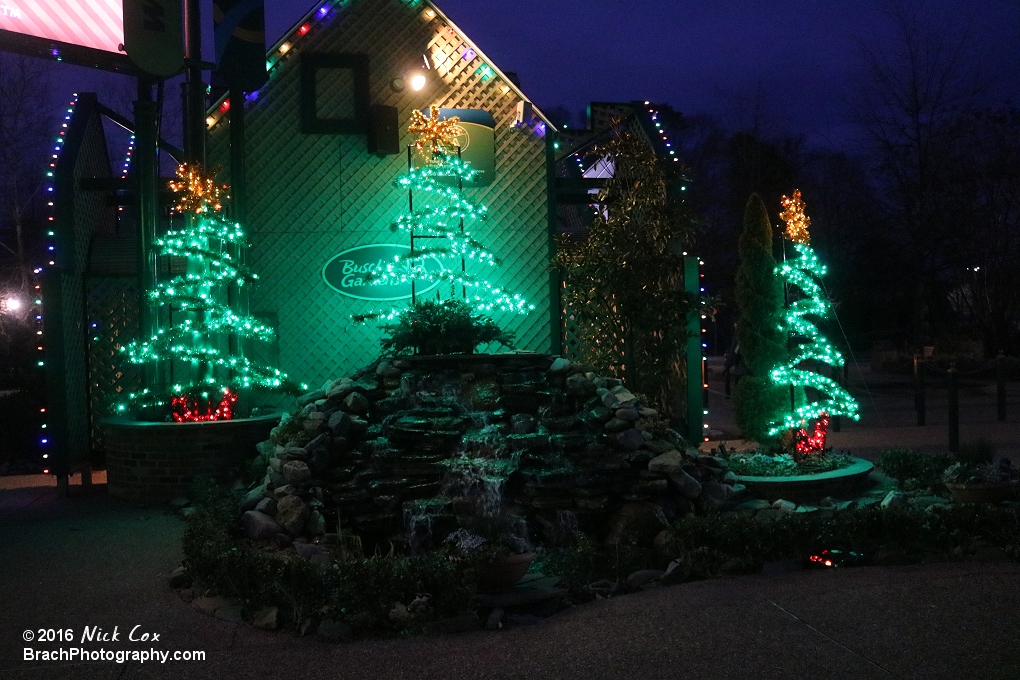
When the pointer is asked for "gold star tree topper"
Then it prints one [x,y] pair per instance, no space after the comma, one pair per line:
[797,222]
[196,193]
[436,138]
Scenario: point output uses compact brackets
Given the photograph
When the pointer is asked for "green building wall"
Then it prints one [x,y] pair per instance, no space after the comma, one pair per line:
[311,196]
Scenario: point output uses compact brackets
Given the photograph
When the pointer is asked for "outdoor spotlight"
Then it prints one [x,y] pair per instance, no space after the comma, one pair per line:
[11,304]
[417,81]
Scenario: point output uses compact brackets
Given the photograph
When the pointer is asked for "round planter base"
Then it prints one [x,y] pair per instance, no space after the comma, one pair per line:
[810,488]
[150,463]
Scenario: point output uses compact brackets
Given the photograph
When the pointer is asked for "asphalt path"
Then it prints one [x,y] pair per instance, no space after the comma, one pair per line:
[85,562]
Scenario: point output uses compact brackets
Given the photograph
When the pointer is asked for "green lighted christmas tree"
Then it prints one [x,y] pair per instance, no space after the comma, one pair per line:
[440,212]
[202,340]
[802,274]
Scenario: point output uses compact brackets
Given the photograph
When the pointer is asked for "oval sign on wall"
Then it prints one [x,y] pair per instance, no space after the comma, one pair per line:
[348,272]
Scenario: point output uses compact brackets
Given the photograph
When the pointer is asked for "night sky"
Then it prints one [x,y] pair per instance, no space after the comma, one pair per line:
[711,57]
[794,60]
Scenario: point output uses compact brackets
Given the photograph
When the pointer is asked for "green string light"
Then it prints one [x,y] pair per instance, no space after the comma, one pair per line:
[438,214]
[195,339]
[803,273]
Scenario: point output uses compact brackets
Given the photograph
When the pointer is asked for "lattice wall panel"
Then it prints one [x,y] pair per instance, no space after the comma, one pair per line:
[112,305]
[572,335]
[312,196]
[89,215]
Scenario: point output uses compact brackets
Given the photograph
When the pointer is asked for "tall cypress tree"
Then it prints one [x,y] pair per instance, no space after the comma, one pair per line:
[757,399]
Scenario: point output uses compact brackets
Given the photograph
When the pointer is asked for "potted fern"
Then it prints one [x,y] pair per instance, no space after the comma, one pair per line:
[442,327]
[973,478]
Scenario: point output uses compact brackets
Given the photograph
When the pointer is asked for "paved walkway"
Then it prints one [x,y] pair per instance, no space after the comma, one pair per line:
[87,561]
[84,560]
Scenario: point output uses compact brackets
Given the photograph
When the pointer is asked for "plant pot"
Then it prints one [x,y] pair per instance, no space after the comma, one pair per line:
[503,572]
[983,492]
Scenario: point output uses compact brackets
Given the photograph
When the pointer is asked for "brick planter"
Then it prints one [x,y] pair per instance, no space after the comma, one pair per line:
[150,463]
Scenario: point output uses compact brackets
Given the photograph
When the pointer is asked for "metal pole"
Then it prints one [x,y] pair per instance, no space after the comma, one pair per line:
[837,421]
[145,160]
[557,317]
[919,388]
[410,209]
[238,178]
[954,410]
[1000,385]
[237,297]
[463,262]
[193,87]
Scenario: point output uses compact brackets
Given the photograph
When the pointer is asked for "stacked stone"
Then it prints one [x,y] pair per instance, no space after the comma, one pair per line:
[369,449]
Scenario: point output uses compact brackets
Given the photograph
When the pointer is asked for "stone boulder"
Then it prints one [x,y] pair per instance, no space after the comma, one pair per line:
[260,526]
[629,440]
[559,365]
[668,463]
[296,471]
[291,514]
[636,521]
[687,485]
[356,403]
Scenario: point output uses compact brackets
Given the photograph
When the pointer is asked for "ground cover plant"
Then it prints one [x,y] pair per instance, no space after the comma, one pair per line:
[914,470]
[759,464]
[398,594]
[930,472]
[361,594]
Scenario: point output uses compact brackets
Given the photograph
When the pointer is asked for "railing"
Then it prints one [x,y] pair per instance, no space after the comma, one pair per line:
[952,377]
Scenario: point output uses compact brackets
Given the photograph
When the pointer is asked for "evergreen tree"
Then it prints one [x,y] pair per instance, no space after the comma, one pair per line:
[624,281]
[801,274]
[201,341]
[757,398]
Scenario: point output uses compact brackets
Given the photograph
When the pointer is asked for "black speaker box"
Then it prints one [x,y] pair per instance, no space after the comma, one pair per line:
[383,130]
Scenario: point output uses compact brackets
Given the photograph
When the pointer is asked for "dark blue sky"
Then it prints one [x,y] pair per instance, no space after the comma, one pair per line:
[715,56]
[798,58]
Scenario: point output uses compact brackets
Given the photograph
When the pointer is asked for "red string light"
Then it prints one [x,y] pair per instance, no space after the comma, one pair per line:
[187,408]
[814,442]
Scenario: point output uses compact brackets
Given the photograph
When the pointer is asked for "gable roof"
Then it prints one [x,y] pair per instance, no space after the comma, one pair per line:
[322,11]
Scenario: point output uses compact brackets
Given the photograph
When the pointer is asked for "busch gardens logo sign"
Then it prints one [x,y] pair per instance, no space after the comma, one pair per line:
[348,272]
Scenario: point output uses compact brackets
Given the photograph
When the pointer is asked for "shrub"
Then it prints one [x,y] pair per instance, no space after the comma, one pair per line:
[360,592]
[387,595]
[913,469]
[980,452]
[740,543]
[442,327]
[585,564]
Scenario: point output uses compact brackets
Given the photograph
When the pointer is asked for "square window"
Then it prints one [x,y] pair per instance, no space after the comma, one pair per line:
[334,94]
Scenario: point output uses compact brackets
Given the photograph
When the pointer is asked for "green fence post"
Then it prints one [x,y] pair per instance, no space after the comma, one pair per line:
[1000,386]
[695,365]
[954,410]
